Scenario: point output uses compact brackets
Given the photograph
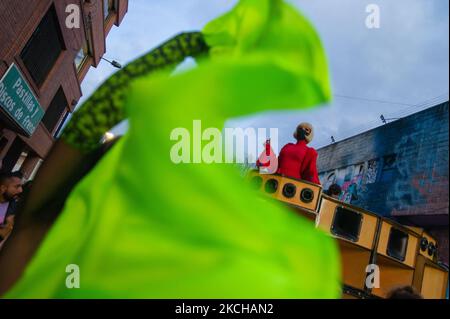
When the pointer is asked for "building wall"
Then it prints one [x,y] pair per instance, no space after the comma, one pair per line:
[399,170]
[19,21]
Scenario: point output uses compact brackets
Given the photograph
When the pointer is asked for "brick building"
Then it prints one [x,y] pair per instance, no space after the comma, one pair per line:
[43,60]
[398,170]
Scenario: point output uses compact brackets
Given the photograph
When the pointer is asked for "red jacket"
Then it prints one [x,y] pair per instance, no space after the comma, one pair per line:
[298,161]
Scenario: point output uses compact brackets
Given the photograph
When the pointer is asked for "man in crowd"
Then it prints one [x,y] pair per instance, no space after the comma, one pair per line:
[298,160]
[10,190]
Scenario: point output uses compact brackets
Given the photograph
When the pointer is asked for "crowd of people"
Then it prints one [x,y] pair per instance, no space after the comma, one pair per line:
[11,189]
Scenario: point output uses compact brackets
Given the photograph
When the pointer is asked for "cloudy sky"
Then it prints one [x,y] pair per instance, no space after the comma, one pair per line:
[395,70]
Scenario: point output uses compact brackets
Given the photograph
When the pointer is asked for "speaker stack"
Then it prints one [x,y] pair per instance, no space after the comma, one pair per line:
[430,278]
[405,256]
[355,230]
[396,252]
[300,195]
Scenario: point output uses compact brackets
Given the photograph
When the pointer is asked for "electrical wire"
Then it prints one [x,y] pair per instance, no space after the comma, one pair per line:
[412,108]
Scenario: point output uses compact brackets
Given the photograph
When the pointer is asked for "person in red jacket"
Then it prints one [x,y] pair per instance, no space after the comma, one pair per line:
[298,160]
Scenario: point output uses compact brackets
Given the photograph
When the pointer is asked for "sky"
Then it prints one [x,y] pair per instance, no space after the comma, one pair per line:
[395,70]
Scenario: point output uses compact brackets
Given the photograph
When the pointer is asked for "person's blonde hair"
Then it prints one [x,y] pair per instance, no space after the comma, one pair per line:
[301,127]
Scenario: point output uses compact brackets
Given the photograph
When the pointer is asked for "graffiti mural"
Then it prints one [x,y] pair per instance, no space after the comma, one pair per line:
[350,189]
[349,178]
[402,171]
[372,171]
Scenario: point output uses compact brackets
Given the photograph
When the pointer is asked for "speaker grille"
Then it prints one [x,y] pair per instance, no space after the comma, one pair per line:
[289,190]
[306,195]
[397,244]
[271,186]
[431,249]
[423,244]
[347,224]
[256,182]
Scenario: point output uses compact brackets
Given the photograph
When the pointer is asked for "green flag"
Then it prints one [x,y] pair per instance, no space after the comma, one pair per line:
[142,226]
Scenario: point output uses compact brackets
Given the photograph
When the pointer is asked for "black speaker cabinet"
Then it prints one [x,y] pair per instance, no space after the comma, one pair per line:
[396,257]
[355,230]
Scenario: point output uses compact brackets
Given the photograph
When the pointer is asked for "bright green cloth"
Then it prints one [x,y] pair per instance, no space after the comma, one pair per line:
[140,226]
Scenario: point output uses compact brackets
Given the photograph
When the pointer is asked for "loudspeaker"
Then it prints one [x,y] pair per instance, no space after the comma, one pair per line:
[396,257]
[258,182]
[356,230]
[297,193]
[347,222]
[430,279]
[398,243]
[428,247]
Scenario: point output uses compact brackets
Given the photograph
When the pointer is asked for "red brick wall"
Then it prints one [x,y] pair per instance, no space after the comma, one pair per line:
[121,11]
[19,20]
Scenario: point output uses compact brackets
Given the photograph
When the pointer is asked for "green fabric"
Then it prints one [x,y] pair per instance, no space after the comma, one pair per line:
[140,226]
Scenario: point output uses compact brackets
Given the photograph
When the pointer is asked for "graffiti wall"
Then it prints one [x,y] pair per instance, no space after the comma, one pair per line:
[398,170]
[352,179]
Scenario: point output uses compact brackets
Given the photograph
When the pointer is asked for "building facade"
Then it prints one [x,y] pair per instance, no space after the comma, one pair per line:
[399,170]
[46,49]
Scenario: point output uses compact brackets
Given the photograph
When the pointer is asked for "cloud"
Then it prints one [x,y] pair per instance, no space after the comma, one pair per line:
[146,25]
[405,61]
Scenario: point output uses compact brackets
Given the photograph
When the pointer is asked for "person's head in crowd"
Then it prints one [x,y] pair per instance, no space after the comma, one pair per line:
[334,191]
[10,186]
[405,292]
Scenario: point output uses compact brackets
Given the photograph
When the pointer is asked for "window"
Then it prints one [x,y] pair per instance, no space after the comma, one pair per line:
[35,170]
[108,7]
[389,168]
[83,54]
[55,110]
[23,156]
[61,125]
[3,143]
[13,154]
[86,50]
[389,161]
[43,48]
[80,58]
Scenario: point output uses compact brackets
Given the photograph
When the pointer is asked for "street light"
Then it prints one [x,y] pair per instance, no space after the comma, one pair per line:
[107,137]
[113,63]
[384,120]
